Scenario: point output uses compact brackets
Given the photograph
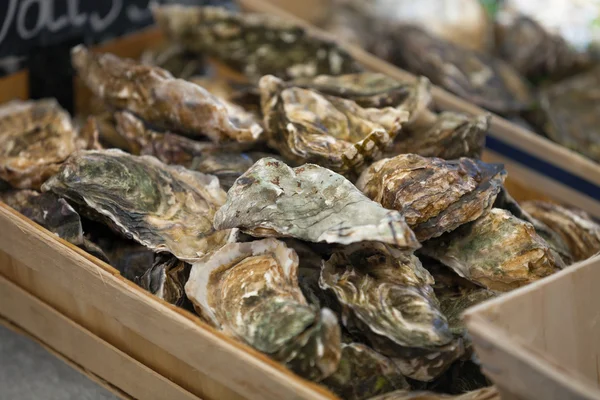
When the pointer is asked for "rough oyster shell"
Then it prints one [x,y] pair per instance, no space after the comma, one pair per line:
[166,279]
[155,96]
[488,393]
[250,291]
[309,203]
[577,229]
[35,137]
[307,126]
[175,59]
[364,373]
[255,44]
[164,208]
[479,78]
[54,214]
[449,135]
[130,258]
[497,251]
[386,298]
[433,195]
[569,110]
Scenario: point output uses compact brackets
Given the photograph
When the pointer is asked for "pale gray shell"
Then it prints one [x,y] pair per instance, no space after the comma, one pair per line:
[162,207]
[309,203]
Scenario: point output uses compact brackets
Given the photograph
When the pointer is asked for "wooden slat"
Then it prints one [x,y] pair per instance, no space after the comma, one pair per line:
[226,364]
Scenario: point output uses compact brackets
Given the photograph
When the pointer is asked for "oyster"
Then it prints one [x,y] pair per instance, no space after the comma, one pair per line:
[488,393]
[175,59]
[570,115]
[497,251]
[479,78]
[453,306]
[250,291]
[166,279]
[449,135]
[307,126]
[433,195]
[130,258]
[226,166]
[576,228]
[364,373]
[54,214]
[89,135]
[35,137]
[386,299]
[161,100]
[309,203]
[164,208]
[255,44]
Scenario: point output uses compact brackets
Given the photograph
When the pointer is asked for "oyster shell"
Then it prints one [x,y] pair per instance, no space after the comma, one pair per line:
[164,208]
[175,59]
[54,214]
[433,195]
[35,137]
[449,135]
[479,78]
[155,96]
[497,251]
[307,126]
[576,228]
[453,306]
[309,203]
[255,44]
[569,112]
[386,298]
[166,279]
[130,258]
[250,291]
[89,135]
[488,393]
[364,373]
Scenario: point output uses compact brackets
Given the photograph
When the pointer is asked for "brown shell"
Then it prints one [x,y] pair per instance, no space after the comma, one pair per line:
[166,279]
[433,195]
[497,251]
[175,59]
[155,96]
[578,230]
[307,126]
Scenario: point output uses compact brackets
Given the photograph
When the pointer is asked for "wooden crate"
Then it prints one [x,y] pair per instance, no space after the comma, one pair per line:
[543,341]
[535,164]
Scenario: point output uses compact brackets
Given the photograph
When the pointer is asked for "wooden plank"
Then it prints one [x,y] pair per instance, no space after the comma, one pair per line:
[14,86]
[90,282]
[83,347]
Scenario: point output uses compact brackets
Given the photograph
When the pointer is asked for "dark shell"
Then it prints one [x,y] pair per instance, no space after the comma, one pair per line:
[576,228]
[35,137]
[175,59]
[54,214]
[155,96]
[166,279]
[479,78]
[307,126]
[309,203]
[164,208]
[364,373]
[130,258]
[255,44]
[570,113]
[433,195]
[497,251]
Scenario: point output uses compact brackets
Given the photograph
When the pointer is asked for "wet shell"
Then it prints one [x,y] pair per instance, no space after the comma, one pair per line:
[35,137]
[164,208]
[479,78]
[488,393]
[578,230]
[250,291]
[433,195]
[155,96]
[54,214]
[386,298]
[364,373]
[498,251]
[309,203]
[255,44]
[449,135]
[307,126]
[570,114]
[166,279]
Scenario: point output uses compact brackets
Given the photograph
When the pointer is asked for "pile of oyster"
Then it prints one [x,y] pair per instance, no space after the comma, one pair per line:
[323,215]
[505,60]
